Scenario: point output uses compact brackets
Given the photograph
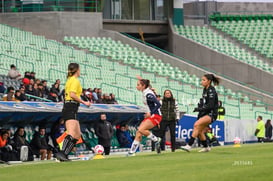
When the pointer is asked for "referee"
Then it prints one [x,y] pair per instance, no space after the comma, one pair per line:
[73,90]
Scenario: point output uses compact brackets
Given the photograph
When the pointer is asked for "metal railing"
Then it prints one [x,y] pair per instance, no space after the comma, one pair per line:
[30,97]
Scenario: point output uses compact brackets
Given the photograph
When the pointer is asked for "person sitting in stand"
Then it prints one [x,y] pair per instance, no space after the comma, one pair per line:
[39,145]
[10,95]
[19,140]
[123,135]
[6,151]
[14,73]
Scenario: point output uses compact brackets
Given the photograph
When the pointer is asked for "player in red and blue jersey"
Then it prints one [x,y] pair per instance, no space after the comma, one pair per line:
[152,117]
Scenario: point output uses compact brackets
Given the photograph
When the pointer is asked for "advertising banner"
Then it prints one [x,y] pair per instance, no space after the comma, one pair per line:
[185,127]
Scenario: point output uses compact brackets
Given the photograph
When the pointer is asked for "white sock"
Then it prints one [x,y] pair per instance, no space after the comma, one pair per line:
[134,146]
[152,137]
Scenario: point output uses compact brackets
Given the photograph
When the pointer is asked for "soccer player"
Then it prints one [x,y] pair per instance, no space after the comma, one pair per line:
[73,90]
[151,118]
[208,113]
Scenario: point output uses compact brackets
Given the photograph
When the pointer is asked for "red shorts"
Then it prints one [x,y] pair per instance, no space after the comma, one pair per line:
[155,119]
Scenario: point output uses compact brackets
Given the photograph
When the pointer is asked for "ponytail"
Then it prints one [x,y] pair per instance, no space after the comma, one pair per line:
[214,79]
[72,69]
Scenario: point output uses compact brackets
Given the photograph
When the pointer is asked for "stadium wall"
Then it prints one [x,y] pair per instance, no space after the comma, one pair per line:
[55,25]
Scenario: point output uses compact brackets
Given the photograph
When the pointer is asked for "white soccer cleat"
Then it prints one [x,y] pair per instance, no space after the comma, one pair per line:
[186,148]
[207,149]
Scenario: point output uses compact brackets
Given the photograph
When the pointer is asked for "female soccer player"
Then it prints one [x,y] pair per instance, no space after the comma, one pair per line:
[72,101]
[151,118]
[207,109]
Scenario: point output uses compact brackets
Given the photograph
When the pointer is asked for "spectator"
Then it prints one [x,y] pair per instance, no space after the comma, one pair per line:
[40,90]
[2,87]
[106,99]
[268,130]
[45,89]
[17,95]
[113,99]
[6,151]
[123,135]
[58,81]
[95,95]
[13,73]
[20,94]
[104,132]
[37,81]
[221,111]
[19,140]
[54,93]
[32,75]
[99,93]
[89,96]
[39,144]
[26,78]
[83,95]
[30,89]
[10,95]
[260,129]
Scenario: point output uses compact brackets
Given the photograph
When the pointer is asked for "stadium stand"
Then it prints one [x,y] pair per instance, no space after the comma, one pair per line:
[208,37]
[251,30]
[112,66]
[131,56]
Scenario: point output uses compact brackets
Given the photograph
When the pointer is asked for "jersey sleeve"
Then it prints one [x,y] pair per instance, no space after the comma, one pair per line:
[152,98]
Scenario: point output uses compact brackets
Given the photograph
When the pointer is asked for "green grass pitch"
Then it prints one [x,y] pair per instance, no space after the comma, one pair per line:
[248,162]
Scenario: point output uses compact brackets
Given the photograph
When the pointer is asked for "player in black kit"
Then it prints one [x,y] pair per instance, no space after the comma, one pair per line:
[208,112]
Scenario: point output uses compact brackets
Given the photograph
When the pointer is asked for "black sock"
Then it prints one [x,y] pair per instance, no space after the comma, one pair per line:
[205,143]
[191,141]
[68,144]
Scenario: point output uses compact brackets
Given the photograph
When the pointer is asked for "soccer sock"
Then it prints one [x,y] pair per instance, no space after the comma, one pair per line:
[205,143]
[134,146]
[68,144]
[152,137]
[191,141]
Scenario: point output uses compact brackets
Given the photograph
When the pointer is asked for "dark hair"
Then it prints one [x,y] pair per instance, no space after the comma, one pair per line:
[212,78]
[170,92]
[3,131]
[72,69]
[10,88]
[145,82]
[12,66]
[260,117]
[268,122]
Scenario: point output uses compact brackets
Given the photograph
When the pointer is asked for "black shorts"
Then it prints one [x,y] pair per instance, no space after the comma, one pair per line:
[70,111]
[213,116]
